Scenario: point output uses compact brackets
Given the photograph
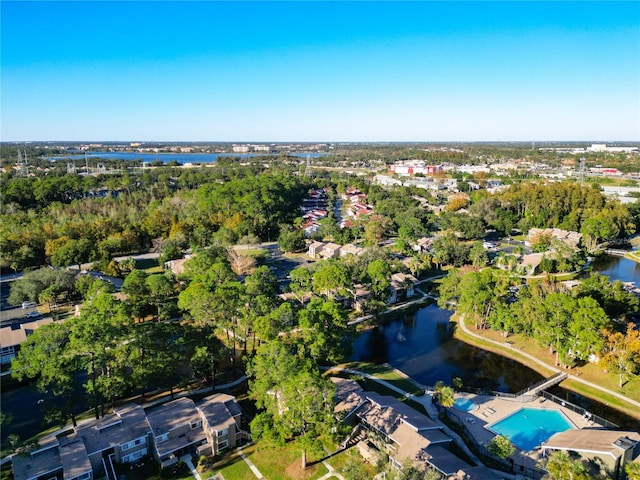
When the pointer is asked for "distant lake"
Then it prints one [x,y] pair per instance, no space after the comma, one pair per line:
[170,157]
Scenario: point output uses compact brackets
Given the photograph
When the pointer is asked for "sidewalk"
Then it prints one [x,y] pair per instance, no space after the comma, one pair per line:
[536,360]
[187,459]
[253,468]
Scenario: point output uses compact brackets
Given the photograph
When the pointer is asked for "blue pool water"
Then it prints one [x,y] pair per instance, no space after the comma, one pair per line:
[464,405]
[529,427]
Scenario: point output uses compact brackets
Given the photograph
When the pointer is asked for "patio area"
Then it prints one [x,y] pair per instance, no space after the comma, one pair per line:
[492,409]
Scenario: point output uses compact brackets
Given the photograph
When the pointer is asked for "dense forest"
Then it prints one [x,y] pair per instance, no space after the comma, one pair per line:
[224,316]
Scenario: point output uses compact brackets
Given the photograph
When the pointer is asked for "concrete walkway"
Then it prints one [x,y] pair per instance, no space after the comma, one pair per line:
[253,468]
[536,360]
[331,473]
[187,459]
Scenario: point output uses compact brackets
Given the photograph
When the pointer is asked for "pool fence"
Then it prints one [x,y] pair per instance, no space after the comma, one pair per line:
[588,416]
[490,460]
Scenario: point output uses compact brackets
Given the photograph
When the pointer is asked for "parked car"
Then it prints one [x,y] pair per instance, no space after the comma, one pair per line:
[33,314]
[26,305]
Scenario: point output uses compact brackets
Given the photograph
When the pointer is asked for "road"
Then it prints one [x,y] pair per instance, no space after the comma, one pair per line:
[10,314]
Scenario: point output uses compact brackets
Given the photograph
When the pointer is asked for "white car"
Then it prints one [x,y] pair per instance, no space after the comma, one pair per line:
[33,314]
[26,305]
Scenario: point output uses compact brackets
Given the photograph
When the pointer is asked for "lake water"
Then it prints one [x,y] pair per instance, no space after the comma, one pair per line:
[169,157]
[430,353]
[618,268]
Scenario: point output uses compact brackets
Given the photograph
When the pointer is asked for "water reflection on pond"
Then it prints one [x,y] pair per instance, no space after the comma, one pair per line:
[429,353]
[422,346]
[618,268]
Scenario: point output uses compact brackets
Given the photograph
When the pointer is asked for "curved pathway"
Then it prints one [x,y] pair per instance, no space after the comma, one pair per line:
[546,365]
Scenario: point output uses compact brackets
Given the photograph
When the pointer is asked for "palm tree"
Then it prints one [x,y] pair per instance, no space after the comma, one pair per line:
[633,470]
[561,466]
[444,394]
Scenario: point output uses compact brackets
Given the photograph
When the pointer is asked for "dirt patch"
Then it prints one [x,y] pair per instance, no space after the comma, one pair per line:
[295,472]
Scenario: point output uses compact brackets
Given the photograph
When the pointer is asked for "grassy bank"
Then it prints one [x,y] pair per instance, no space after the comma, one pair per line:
[635,256]
[388,374]
[589,372]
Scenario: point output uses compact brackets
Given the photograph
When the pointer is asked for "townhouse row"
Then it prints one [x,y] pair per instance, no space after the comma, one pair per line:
[131,433]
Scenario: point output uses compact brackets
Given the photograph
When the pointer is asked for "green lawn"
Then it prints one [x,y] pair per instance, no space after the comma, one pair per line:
[236,469]
[387,373]
[588,372]
[149,265]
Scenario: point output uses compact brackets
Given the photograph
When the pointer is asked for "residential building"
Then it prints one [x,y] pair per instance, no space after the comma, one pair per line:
[222,423]
[424,244]
[531,262]
[408,435]
[129,434]
[123,437]
[350,249]
[330,250]
[402,286]
[176,428]
[11,338]
[609,448]
[572,239]
[88,452]
[315,249]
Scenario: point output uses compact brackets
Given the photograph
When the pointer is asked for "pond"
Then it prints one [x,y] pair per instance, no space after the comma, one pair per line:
[422,346]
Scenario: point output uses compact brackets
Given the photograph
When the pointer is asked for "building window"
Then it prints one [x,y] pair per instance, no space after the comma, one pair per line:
[133,443]
[223,433]
[162,438]
[222,445]
[134,456]
[196,424]
[84,476]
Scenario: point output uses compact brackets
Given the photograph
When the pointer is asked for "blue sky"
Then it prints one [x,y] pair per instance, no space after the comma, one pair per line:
[320,71]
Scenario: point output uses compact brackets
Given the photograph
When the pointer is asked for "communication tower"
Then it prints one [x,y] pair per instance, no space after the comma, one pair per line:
[581,171]
[307,170]
[23,164]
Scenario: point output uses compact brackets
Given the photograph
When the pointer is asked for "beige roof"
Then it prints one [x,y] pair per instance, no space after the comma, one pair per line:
[31,326]
[172,414]
[608,442]
[351,248]
[348,395]
[332,246]
[410,442]
[531,260]
[401,277]
[74,457]
[9,337]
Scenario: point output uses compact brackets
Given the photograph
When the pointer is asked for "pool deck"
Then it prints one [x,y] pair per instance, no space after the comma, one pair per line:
[493,409]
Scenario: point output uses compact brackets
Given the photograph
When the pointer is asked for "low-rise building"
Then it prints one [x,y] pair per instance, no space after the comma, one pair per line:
[176,428]
[572,239]
[315,249]
[222,423]
[129,434]
[11,338]
[610,448]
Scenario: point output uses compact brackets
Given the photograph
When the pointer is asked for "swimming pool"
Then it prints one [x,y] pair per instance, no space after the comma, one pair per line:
[529,427]
[464,405]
